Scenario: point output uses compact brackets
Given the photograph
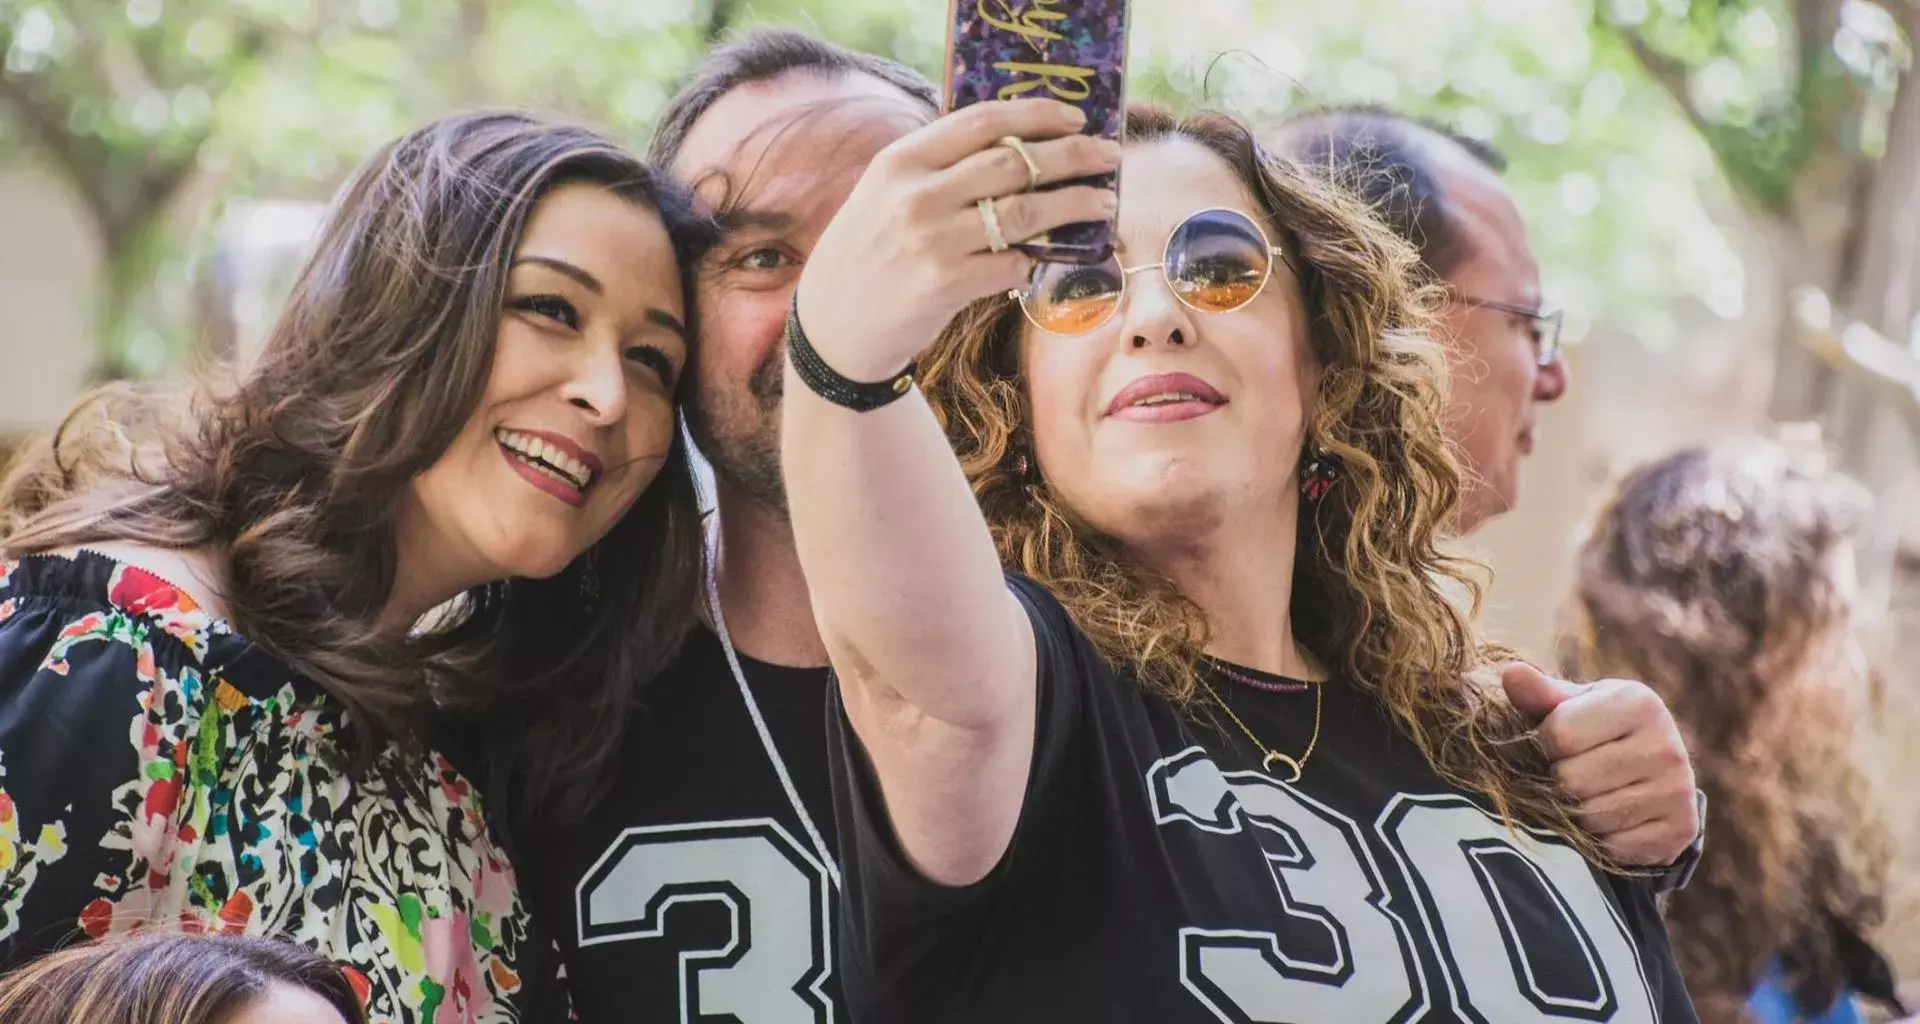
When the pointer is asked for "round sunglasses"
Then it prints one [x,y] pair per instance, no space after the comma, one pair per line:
[1216,261]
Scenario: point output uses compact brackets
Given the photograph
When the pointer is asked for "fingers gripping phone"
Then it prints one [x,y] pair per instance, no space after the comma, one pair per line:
[1070,50]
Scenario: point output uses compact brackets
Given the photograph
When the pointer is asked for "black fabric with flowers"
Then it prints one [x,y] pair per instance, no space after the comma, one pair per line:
[159,770]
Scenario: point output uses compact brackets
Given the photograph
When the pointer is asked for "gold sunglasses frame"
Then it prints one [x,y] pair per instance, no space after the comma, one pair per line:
[1274,252]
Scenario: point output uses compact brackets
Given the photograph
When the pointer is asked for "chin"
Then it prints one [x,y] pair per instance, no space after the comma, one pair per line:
[542,570]
[535,562]
[1482,504]
[1162,493]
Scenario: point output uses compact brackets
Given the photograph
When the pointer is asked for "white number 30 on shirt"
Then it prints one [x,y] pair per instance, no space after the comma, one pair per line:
[1350,958]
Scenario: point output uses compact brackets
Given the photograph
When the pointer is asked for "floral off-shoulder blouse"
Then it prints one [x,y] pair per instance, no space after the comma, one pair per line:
[158,770]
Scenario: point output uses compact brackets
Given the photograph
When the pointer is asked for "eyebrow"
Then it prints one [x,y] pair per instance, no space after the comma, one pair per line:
[655,316]
[768,220]
[587,281]
[661,318]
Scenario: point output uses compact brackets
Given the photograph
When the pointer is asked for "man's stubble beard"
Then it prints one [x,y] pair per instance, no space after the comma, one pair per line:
[740,435]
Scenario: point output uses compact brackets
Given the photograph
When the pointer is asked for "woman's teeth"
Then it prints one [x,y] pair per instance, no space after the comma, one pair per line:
[546,458]
[1168,398]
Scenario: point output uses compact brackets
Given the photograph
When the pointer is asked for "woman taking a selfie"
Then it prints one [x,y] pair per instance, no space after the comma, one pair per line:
[214,686]
[1212,751]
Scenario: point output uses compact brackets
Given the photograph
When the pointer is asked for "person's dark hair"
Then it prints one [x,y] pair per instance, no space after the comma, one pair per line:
[1386,158]
[293,471]
[1712,575]
[168,978]
[763,54]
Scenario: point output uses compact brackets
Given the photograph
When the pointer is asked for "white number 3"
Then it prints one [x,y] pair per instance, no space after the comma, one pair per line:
[778,958]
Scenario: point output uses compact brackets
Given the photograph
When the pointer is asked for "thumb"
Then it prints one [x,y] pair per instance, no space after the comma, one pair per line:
[1535,693]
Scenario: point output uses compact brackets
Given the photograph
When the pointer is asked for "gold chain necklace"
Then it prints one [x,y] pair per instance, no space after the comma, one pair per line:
[1270,755]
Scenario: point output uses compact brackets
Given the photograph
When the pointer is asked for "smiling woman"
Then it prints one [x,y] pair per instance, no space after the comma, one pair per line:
[220,704]
[1152,703]
[577,414]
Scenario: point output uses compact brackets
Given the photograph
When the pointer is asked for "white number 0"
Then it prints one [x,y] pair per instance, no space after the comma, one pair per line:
[774,966]
[1347,953]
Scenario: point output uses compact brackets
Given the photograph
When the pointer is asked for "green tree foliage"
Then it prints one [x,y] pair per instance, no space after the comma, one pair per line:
[120,102]
[159,111]
[1772,85]
[156,112]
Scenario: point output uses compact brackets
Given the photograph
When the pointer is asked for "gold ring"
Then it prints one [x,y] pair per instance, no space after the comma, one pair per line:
[1033,169]
[996,242]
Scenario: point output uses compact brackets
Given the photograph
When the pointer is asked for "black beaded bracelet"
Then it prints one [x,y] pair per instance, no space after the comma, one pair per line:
[822,380]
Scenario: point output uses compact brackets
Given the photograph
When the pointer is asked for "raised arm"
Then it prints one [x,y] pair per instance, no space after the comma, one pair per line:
[935,657]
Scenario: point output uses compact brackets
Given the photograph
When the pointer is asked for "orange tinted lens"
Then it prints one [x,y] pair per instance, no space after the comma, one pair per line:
[1069,299]
[1217,260]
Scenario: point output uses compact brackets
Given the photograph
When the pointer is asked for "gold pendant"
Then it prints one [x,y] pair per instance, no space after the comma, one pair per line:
[1266,765]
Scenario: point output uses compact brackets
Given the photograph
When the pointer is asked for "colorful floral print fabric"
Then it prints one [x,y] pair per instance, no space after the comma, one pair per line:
[157,770]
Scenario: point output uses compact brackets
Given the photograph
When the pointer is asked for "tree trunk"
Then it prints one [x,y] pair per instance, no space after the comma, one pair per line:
[1821,236]
[1884,292]
[1875,438]
[1849,234]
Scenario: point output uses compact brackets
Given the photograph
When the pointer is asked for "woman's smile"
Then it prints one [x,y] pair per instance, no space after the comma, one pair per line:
[552,462]
[1165,398]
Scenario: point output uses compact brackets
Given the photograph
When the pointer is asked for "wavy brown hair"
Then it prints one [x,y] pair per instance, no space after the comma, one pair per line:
[1368,574]
[1711,575]
[291,471]
[168,978]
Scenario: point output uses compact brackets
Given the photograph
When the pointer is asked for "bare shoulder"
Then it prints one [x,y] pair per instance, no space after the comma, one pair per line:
[198,573]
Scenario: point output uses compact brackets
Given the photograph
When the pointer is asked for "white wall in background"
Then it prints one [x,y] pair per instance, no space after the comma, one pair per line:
[49,268]
[260,248]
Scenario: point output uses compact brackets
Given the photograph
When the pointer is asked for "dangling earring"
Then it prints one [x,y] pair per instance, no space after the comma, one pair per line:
[1023,471]
[1319,474]
[589,578]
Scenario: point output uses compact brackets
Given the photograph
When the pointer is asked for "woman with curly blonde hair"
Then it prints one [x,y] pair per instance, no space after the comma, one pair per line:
[1724,577]
[1212,750]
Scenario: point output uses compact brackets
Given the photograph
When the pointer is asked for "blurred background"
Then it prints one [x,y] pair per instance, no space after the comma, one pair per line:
[1725,196]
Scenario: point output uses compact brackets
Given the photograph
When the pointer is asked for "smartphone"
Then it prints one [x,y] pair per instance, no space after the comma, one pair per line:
[1069,50]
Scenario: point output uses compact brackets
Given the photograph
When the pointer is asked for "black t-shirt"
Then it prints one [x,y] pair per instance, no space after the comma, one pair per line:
[692,892]
[1157,875]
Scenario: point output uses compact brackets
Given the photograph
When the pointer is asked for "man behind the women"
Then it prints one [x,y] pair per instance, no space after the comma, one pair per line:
[1441,191]
[706,883]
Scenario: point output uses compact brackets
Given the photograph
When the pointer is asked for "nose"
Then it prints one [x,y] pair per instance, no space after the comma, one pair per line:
[1551,381]
[1154,315]
[597,385]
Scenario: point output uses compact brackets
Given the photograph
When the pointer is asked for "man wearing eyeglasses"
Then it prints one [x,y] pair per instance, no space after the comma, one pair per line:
[1443,192]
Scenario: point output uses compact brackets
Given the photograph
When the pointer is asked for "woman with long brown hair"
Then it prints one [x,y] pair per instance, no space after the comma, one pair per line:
[1723,576]
[175,978]
[1213,749]
[219,684]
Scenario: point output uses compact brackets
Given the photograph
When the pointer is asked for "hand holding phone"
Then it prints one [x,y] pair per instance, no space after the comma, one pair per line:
[915,242]
[1068,50]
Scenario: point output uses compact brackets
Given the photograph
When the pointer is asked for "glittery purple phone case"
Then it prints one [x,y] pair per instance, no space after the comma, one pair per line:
[1069,50]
